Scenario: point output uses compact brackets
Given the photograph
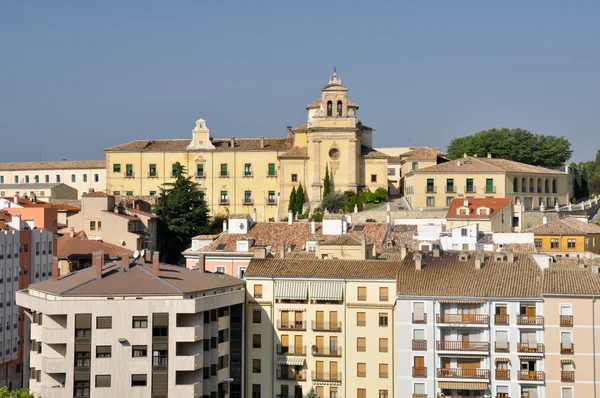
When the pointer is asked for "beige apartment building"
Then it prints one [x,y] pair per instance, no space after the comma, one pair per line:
[134,329]
[326,324]
[475,177]
[81,175]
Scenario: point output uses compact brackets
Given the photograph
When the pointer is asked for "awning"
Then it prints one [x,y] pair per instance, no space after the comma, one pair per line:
[529,358]
[286,290]
[256,309]
[330,291]
[294,361]
[292,309]
[453,385]
[572,362]
[502,360]
[462,356]
[462,301]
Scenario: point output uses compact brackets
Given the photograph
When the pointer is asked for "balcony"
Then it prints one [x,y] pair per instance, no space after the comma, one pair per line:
[531,375]
[327,352]
[54,365]
[490,189]
[566,320]
[505,348]
[419,318]
[325,326]
[446,345]
[501,319]
[323,376]
[129,174]
[460,373]
[419,372]
[470,189]
[54,336]
[200,175]
[187,390]
[430,189]
[247,201]
[82,336]
[567,350]
[188,333]
[502,374]
[479,319]
[224,174]
[293,325]
[291,350]
[530,320]
[271,202]
[567,375]
[188,362]
[224,202]
[450,189]
[419,345]
[531,348]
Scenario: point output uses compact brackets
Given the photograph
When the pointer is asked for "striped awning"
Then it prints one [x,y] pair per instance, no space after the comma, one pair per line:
[462,356]
[572,362]
[291,309]
[294,361]
[455,385]
[286,290]
[462,301]
[529,358]
[326,291]
[502,360]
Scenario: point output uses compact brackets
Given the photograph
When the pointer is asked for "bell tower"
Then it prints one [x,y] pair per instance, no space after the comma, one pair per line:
[334,109]
[201,136]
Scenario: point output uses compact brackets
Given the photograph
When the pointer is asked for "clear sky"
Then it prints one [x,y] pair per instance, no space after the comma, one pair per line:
[79,76]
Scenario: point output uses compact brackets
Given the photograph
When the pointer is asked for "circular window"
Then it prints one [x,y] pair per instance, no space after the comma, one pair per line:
[334,153]
[201,141]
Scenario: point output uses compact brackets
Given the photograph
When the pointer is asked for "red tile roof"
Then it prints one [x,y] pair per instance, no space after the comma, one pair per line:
[472,164]
[67,246]
[180,145]
[56,165]
[565,226]
[494,204]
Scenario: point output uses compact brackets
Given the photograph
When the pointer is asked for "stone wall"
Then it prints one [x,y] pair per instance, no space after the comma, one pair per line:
[380,215]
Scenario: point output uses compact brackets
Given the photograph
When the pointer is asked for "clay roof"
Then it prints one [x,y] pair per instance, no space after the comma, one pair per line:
[138,281]
[295,152]
[342,240]
[5,218]
[472,164]
[26,202]
[142,213]
[67,246]
[206,237]
[61,164]
[180,145]
[565,226]
[399,235]
[566,280]
[370,153]
[97,194]
[423,153]
[447,276]
[494,204]
[334,269]
[317,104]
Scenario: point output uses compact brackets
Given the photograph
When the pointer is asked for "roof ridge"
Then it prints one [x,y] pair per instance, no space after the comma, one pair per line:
[161,279]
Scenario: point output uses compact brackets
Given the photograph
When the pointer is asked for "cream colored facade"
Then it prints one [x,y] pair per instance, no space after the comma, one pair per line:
[44,192]
[83,176]
[337,336]
[240,175]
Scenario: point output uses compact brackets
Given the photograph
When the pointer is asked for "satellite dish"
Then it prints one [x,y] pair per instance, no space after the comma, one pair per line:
[136,254]
[143,253]
[122,242]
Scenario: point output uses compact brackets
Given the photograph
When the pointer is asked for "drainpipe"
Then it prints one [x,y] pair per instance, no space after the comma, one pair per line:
[594,339]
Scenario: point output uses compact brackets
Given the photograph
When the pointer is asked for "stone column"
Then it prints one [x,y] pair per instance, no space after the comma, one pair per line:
[352,184]
[315,158]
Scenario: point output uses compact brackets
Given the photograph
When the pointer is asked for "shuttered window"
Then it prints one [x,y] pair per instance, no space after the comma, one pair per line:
[383,370]
[361,370]
[102,380]
[361,319]
[419,388]
[103,351]
[258,291]
[419,311]
[383,345]
[565,340]
[383,294]
[361,344]
[502,339]
[362,293]
[104,322]
[139,380]
[361,393]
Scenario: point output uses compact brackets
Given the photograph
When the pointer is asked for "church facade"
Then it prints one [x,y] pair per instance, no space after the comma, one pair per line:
[257,175]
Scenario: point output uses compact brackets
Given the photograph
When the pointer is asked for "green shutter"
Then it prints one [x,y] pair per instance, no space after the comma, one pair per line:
[223,169]
[489,185]
[271,169]
[200,170]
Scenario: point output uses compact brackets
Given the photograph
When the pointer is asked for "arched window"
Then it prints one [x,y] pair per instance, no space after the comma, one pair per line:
[339,108]
[523,185]
[539,185]
[531,186]
[554,185]
[515,185]
[546,186]
[329,108]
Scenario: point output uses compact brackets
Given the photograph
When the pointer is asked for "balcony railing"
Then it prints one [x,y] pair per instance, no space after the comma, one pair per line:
[463,318]
[327,326]
[327,351]
[419,372]
[450,189]
[566,320]
[223,174]
[526,347]
[567,350]
[291,350]
[324,376]
[248,201]
[470,189]
[498,348]
[129,174]
[530,320]
[501,319]
[419,345]
[446,345]
[200,175]
[490,189]
[460,373]
[567,375]
[531,375]
[430,189]
[502,374]
[291,375]
[291,325]
[153,174]
[419,319]
[224,201]
[419,396]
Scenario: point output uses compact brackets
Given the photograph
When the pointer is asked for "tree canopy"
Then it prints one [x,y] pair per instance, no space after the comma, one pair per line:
[21,393]
[514,144]
[587,177]
[326,183]
[182,214]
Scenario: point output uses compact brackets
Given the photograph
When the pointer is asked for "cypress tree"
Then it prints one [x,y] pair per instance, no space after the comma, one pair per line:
[326,183]
[299,199]
[292,204]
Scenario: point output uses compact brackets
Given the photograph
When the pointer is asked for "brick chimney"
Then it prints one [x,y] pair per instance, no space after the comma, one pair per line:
[262,141]
[99,263]
[418,262]
[155,263]
[125,261]
[55,268]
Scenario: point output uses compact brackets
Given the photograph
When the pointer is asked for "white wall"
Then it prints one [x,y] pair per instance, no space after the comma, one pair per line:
[420,221]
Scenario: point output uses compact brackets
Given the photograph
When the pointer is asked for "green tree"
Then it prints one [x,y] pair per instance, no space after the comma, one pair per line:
[326,183]
[182,214]
[299,199]
[292,204]
[333,202]
[514,144]
[21,393]
[381,193]
[312,394]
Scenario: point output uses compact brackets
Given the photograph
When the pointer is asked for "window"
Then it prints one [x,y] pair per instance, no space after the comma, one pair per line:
[247,170]
[383,294]
[128,170]
[391,171]
[224,198]
[415,166]
[489,185]
[220,270]
[138,380]
[362,293]
[116,168]
[96,177]
[256,318]
[567,392]
[571,243]
[383,319]
[329,108]
[224,172]
[383,345]
[464,232]
[271,198]
[58,178]
[104,322]
[470,187]
[271,172]
[361,319]
[27,179]
[92,225]
[294,177]
[383,370]
[383,393]
[1,179]
[258,291]
[256,366]
[36,179]
[430,185]
[103,351]
[82,387]
[430,201]
[174,169]
[117,193]
[449,200]
[102,380]
[419,389]
[84,177]
[16,179]
[129,193]
[247,197]
[199,170]
[73,178]
[152,193]
[241,272]
[373,177]
[139,351]
[140,322]
[566,343]
[256,341]
[361,344]
[361,370]
[256,391]
[554,243]
[538,243]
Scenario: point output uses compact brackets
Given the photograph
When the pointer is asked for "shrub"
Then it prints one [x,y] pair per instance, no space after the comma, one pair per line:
[381,193]
[370,220]
[304,215]
[316,217]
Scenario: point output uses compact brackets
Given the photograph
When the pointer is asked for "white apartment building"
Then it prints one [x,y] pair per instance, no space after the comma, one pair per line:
[134,329]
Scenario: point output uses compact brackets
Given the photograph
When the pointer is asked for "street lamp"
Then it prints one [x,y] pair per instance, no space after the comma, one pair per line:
[221,391]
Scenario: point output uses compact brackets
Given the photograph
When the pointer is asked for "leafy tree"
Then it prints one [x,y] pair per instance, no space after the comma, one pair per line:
[292,204]
[514,144]
[326,183]
[21,393]
[381,193]
[594,187]
[312,394]
[182,214]
[333,202]
[299,199]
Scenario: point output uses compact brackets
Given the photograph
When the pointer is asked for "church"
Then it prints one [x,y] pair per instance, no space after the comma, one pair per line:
[255,176]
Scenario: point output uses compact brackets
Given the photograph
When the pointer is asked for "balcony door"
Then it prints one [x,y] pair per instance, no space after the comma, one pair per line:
[333,319]
[285,319]
[333,370]
[468,313]
[298,319]
[465,338]
[285,343]
[469,367]
[333,345]
[320,344]
[284,390]
[528,370]
[298,344]
[419,365]
[319,370]
[320,319]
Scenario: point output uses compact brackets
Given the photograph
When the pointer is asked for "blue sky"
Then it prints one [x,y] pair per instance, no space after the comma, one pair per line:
[79,76]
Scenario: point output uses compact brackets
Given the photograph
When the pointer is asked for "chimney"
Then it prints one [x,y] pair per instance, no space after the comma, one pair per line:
[260,252]
[403,251]
[436,251]
[201,262]
[99,264]
[224,225]
[91,190]
[289,131]
[581,263]
[72,232]
[155,263]
[363,245]
[418,262]
[16,199]
[282,250]
[55,268]
[489,155]
[313,227]
[262,141]
[388,218]
[147,256]
[544,220]
[594,267]
[290,218]
[349,218]
[465,155]
[466,203]
[478,261]
[510,256]
[125,261]
[475,155]
[232,142]
[254,216]
[344,225]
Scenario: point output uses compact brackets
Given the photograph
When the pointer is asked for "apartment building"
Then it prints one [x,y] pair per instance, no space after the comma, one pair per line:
[135,329]
[567,236]
[326,324]
[81,175]
[490,215]
[470,325]
[486,177]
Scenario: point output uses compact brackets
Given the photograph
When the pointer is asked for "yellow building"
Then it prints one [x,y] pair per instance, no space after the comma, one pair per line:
[567,235]
[491,215]
[240,175]
[473,177]
[326,324]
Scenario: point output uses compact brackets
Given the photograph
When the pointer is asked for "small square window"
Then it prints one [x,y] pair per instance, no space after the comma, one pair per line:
[373,177]
[116,168]
[102,380]
[294,177]
[430,201]
[139,380]
[383,319]
[103,351]
[104,322]
[139,351]
[140,322]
